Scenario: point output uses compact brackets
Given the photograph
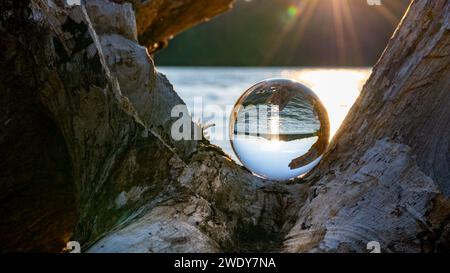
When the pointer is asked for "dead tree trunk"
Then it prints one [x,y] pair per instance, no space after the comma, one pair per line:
[159,20]
[85,141]
[386,176]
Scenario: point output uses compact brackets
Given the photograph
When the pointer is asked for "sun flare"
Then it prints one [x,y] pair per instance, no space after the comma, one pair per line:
[301,12]
[338,89]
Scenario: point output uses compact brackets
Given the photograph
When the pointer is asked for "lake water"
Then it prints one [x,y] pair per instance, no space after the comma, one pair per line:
[217,89]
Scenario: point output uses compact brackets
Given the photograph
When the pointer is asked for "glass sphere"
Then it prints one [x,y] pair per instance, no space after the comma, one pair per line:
[279,129]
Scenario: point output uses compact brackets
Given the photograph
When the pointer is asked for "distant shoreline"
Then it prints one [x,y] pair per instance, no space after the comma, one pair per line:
[279,137]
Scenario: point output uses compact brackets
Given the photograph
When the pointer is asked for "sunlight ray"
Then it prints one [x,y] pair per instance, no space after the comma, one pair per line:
[388,14]
[309,11]
[350,26]
[340,30]
[305,14]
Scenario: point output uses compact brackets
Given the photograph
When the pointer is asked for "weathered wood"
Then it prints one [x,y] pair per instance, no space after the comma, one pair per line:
[87,117]
[386,176]
[159,20]
[111,113]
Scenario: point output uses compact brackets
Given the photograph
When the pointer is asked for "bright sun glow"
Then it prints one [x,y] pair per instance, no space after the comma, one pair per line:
[337,89]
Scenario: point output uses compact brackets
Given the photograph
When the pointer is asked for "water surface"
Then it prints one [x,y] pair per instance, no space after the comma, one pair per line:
[221,87]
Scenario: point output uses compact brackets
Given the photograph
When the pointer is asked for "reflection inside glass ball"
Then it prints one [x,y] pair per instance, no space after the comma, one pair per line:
[279,129]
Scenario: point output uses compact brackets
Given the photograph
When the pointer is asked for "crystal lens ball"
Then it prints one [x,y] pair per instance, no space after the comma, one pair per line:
[279,129]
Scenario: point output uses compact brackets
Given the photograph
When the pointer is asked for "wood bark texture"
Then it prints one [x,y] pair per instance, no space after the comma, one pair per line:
[85,143]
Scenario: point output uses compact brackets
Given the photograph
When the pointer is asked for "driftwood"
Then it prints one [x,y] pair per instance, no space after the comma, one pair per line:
[87,153]
[159,20]
[386,176]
